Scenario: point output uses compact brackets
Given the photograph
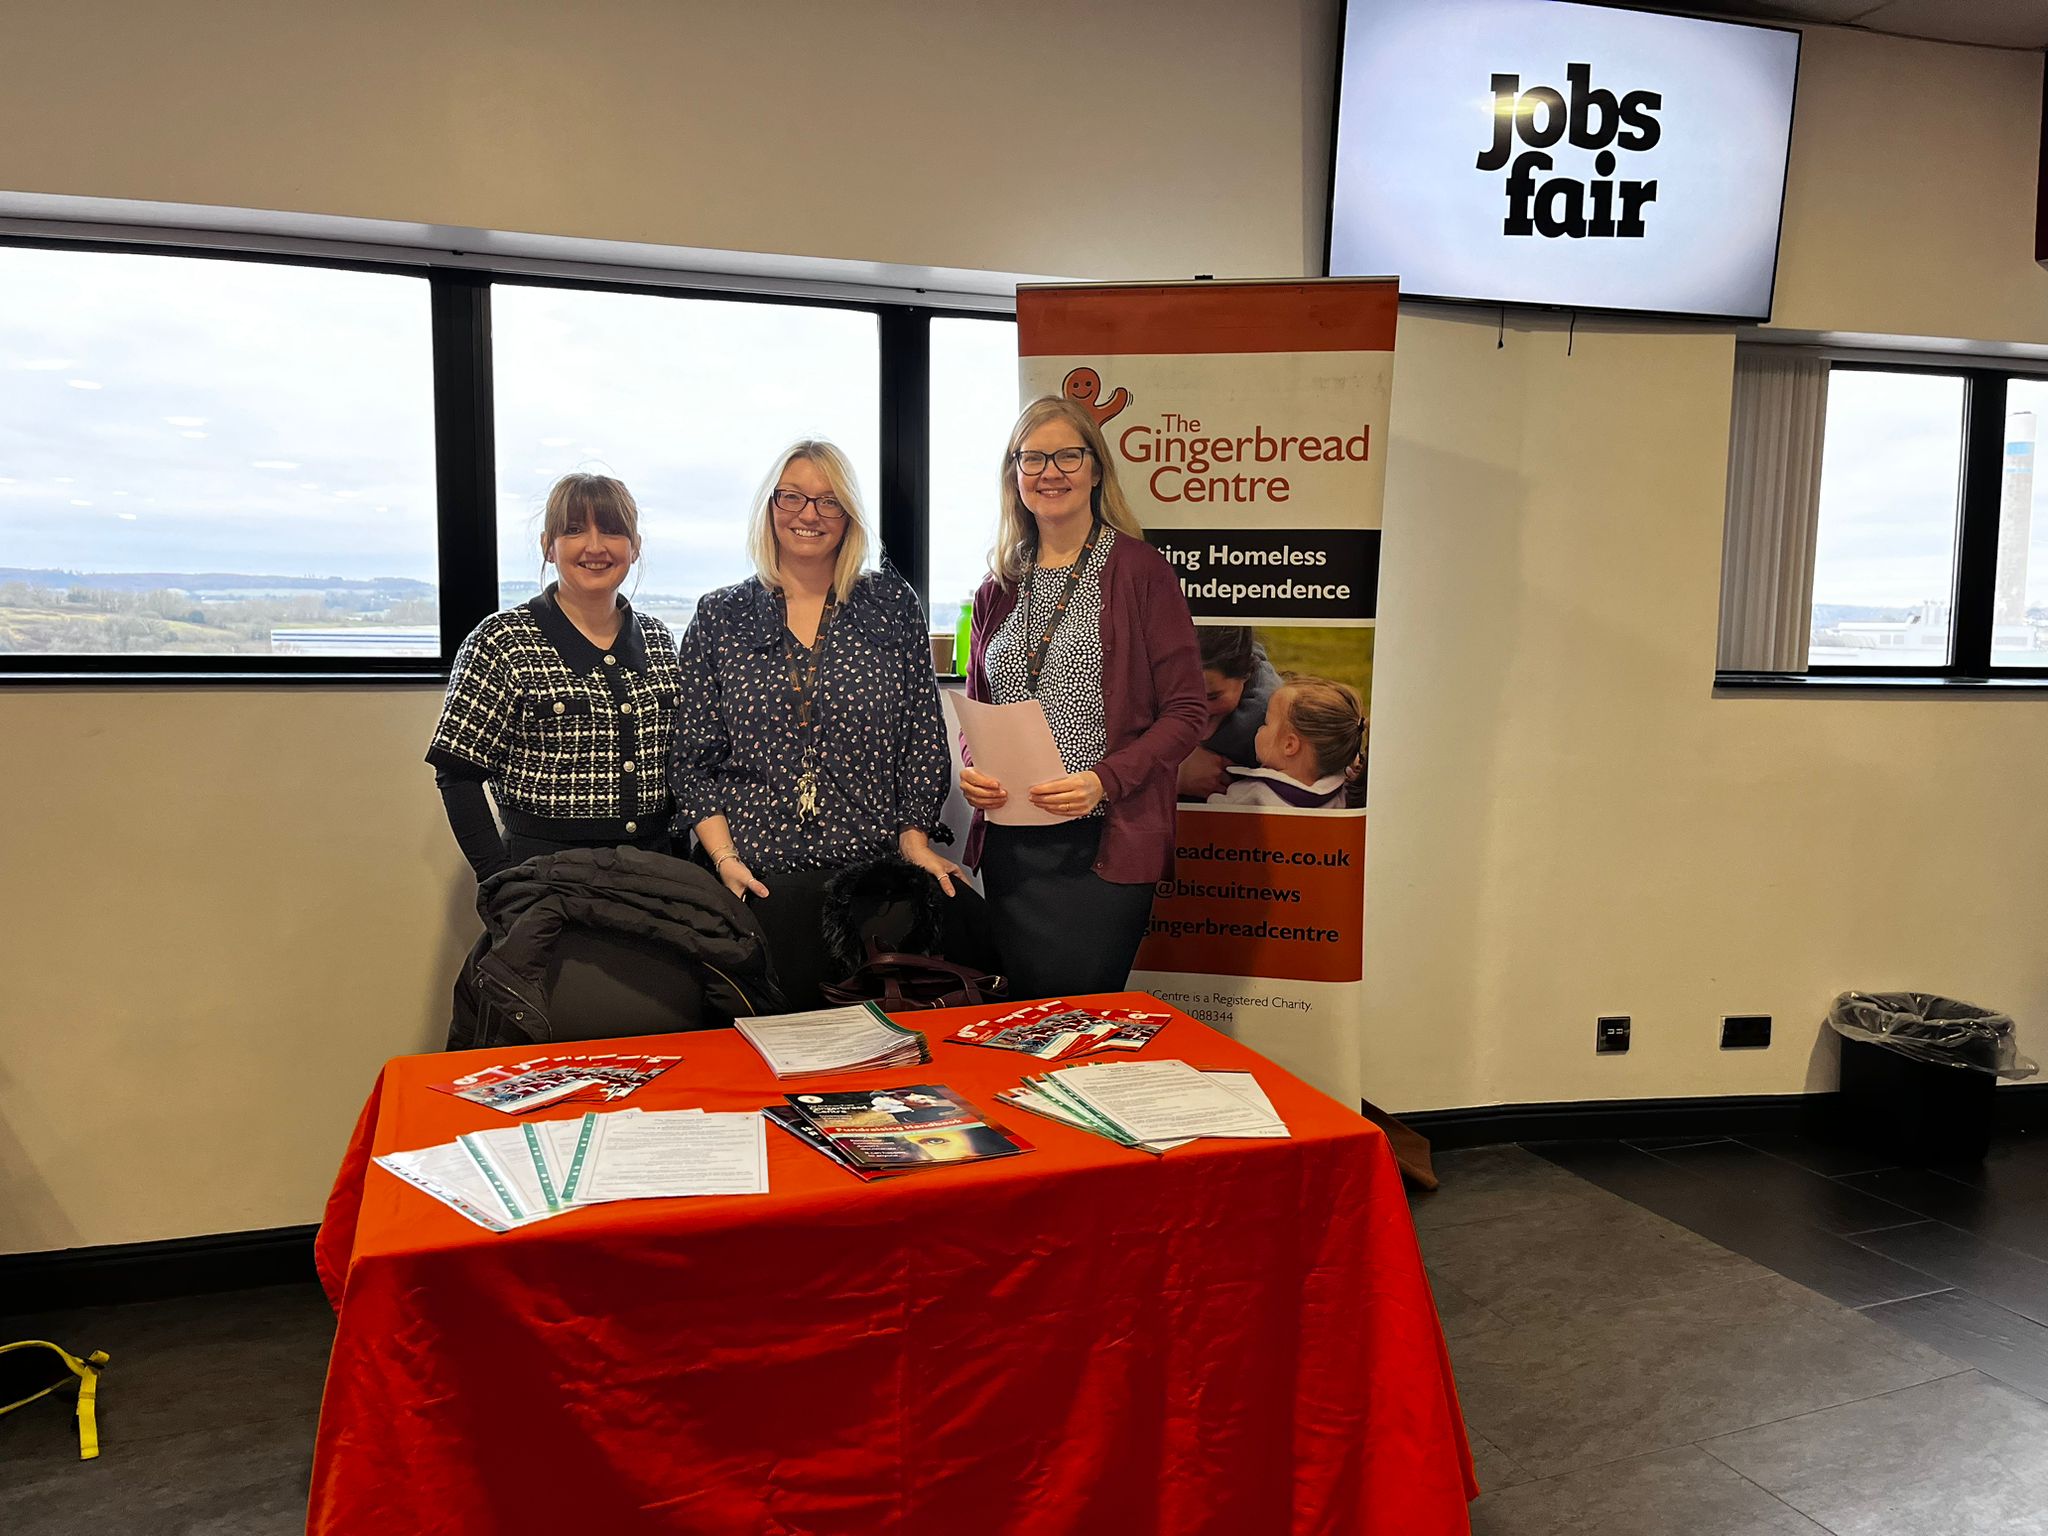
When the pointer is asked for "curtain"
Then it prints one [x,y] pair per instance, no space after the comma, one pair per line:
[1774,449]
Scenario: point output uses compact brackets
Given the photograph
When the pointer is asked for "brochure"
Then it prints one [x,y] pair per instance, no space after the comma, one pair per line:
[902,1128]
[1054,1029]
[557,1079]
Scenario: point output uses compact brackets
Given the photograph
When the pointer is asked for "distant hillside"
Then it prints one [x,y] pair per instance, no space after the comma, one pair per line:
[205,583]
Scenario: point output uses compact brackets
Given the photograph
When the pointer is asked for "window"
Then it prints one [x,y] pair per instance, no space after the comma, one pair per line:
[685,401]
[974,404]
[238,466]
[205,458]
[1885,558]
[2019,598]
[1882,523]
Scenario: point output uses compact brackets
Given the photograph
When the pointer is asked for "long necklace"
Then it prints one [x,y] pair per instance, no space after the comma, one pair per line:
[803,683]
[1034,658]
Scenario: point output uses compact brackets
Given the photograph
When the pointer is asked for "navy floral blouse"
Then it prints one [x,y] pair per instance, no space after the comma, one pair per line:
[883,760]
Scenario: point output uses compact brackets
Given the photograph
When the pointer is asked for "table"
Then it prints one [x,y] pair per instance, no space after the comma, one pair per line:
[1234,1339]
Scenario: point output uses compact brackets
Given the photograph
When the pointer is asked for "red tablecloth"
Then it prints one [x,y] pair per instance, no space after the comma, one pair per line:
[1234,1339]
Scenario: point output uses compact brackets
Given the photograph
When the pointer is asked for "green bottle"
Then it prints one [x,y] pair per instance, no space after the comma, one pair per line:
[963,637]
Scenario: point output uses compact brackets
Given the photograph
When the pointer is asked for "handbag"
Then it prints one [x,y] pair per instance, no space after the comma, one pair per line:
[903,983]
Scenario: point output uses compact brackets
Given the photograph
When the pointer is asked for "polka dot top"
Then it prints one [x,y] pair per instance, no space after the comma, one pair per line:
[883,761]
[1070,685]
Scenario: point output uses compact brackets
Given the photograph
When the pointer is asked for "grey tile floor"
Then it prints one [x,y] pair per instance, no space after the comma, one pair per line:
[1725,1338]
[1717,1339]
[207,1411]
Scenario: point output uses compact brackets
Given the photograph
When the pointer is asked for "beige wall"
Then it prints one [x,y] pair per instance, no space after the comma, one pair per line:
[1909,207]
[1105,138]
[224,907]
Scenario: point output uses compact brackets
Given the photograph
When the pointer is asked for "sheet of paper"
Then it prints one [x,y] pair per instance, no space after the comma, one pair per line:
[1159,1100]
[451,1176]
[1012,744]
[656,1156]
[513,1159]
[1246,1087]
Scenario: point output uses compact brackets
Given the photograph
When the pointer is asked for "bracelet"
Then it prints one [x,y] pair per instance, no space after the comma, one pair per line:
[715,863]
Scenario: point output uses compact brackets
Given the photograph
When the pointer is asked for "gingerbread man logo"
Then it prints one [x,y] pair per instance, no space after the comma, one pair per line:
[1084,384]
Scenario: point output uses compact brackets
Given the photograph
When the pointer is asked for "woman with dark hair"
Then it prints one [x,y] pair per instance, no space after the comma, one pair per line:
[565,705]
[1237,680]
[1080,613]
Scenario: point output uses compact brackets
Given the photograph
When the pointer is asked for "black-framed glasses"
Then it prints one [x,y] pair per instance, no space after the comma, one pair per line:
[1067,460]
[793,502]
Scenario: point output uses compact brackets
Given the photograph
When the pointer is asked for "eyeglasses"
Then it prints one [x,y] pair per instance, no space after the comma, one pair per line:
[793,502]
[1031,462]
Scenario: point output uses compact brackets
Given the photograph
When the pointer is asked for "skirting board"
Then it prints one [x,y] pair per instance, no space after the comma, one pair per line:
[179,1266]
[2020,1108]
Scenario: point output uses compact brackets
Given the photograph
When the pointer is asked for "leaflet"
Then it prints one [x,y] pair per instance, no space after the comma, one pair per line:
[1055,1029]
[902,1128]
[1160,1100]
[656,1156]
[849,1039]
[516,1087]
[451,1176]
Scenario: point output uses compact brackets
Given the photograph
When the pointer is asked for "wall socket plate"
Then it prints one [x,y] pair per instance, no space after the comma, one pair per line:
[1611,1035]
[1745,1031]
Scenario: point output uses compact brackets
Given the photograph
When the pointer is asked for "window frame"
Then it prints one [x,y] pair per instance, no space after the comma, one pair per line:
[465,468]
[1975,573]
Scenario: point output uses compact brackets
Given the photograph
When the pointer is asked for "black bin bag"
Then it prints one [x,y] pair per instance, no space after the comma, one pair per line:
[1919,1072]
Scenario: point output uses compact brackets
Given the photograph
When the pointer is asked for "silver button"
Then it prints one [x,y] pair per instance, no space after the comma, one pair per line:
[627,765]
[632,826]
[611,661]
[625,709]
[560,707]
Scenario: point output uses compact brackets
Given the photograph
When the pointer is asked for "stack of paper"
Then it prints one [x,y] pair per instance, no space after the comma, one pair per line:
[1151,1105]
[1055,1029]
[884,1131]
[539,1080]
[849,1039]
[511,1177]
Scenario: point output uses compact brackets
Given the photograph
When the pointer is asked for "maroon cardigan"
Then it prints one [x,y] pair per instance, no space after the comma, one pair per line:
[1154,706]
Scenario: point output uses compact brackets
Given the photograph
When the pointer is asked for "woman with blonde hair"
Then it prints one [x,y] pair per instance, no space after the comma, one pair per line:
[564,705]
[810,737]
[1080,613]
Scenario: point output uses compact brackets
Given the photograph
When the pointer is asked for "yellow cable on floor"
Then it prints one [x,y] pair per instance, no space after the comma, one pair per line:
[88,1373]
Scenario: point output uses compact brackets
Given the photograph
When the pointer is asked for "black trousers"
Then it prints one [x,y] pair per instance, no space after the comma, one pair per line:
[791,916]
[1062,928]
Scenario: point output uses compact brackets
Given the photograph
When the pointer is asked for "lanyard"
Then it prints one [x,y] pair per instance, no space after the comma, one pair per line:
[803,682]
[1034,659]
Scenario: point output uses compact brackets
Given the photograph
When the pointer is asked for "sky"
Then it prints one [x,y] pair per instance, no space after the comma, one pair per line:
[193,414]
[1889,475]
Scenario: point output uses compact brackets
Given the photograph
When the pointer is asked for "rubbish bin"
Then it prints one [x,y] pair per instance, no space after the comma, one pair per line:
[1919,1072]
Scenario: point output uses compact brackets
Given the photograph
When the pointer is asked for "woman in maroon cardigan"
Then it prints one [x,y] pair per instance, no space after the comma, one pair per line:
[1085,616]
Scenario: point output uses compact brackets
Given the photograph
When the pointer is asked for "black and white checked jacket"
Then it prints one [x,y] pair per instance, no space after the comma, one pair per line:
[573,740]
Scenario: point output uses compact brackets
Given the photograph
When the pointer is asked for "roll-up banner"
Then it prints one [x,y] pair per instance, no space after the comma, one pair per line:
[1247,422]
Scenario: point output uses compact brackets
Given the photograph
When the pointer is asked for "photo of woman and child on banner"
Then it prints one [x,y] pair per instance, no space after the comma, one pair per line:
[1287,715]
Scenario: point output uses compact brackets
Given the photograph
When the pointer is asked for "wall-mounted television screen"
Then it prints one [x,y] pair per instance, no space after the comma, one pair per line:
[1572,156]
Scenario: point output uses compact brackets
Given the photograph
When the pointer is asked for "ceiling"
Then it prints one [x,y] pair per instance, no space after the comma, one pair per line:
[1996,23]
